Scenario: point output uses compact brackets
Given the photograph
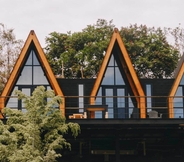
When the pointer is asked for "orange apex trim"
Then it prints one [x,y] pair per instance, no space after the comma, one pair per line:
[126,61]
[32,32]
[116,30]
[44,63]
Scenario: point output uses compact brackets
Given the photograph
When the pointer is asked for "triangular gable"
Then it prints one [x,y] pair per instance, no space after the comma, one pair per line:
[19,63]
[178,77]
[130,73]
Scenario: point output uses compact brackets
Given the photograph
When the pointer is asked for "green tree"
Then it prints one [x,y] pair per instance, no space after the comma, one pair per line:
[82,52]
[151,53]
[10,48]
[37,134]
[177,37]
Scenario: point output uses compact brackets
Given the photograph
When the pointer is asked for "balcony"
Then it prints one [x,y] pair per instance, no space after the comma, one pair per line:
[116,107]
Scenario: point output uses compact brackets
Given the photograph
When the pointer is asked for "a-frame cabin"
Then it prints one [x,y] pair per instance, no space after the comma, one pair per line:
[117,77]
[31,70]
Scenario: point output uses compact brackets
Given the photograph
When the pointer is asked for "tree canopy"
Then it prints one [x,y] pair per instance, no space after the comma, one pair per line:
[80,54]
[10,48]
[37,134]
[151,54]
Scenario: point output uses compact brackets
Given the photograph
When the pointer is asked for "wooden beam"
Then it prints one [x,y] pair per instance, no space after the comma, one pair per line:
[18,65]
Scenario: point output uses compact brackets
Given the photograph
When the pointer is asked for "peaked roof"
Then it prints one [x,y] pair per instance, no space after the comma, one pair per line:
[19,63]
[128,68]
[178,76]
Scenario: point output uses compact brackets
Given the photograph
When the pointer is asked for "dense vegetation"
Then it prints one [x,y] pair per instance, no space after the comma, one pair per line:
[37,134]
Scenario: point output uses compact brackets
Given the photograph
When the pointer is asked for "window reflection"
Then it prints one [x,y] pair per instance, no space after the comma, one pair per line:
[29,60]
[31,76]
[26,76]
[178,103]
[118,77]
[109,77]
[38,76]
[35,60]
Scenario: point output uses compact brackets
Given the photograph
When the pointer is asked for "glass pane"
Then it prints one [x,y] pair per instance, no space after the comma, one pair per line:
[131,106]
[26,91]
[26,76]
[115,63]
[121,98]
[110,113]
[109,102]
[108,77]
[119,79]
[39,77]
[29,60]
[178,113]
[98,114]
[98,100]
[178,101]
[130,103]
[121,103]
[13,101]
[148,99]
[182,81]
[49,88]
[121,112]
[35,60]
[130,112]
[81,99]
[24,110]
[111,61]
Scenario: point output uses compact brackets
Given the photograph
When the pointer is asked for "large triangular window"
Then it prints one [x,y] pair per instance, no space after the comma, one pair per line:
[30,70]
[114,92]
[31,76]
[117,84]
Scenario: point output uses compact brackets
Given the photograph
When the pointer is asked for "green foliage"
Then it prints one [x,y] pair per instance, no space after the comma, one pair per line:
[37,134]
[151,54]
[82,52]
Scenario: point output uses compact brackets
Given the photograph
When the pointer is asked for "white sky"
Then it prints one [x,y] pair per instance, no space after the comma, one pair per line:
[46,16]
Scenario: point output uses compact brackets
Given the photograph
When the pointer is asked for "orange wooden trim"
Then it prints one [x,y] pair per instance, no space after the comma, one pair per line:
[49,73]
[142,107]
[15,71]
[103,66]
[1,106]
[173,91]
[32,38]
[177,81]
[130,67]
[170,106]
[132,77]
[47,67]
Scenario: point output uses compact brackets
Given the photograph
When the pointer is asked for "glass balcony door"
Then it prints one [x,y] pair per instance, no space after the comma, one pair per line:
[117,101]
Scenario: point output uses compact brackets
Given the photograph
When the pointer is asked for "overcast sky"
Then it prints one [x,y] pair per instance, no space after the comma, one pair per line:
[46,16]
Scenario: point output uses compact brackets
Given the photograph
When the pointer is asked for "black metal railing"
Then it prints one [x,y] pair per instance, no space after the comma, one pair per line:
[120,107]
